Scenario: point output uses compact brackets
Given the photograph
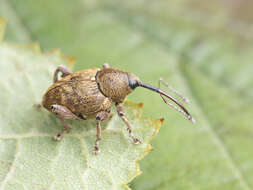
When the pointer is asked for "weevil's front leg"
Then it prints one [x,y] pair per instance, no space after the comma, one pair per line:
[121,114]
[66,127]
[64,70]
[102,116]
[61,112]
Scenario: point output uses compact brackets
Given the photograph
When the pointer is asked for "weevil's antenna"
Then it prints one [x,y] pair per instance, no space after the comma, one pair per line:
[182,110]
[186,100]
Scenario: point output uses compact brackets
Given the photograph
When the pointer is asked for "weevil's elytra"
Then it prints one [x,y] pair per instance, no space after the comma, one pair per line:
[90,93]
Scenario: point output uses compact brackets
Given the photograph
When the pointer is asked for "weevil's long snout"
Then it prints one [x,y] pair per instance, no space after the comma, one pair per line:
[182,109]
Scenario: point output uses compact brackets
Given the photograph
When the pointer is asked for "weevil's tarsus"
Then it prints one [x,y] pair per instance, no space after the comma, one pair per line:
[182,110]
[64,70]
[186,100]
[121,113]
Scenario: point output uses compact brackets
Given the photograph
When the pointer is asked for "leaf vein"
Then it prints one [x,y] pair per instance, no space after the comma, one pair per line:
[219,143]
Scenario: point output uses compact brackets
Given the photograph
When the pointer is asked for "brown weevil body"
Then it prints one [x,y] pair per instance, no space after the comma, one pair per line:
[89,94]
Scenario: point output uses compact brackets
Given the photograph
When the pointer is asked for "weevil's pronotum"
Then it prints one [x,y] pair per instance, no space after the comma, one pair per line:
[90,93]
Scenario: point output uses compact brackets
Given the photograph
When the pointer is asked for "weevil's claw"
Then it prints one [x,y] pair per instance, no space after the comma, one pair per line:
[96,150]
[137,141]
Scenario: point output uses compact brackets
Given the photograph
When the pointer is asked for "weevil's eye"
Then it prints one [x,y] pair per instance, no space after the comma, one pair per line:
[133,84]
[133,81]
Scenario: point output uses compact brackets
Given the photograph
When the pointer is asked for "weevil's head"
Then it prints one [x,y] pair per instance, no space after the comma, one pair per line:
[116,84]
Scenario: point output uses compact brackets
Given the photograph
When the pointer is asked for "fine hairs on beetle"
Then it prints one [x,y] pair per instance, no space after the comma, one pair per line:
[90,93]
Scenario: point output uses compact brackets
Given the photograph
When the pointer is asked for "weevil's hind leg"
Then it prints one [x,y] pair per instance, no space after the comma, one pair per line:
[101,116]
[64,70]
[106,65]
[61,112]
[121,113]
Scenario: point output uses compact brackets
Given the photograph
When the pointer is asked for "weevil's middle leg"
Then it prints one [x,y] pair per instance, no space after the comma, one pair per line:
[121,113]
[99,137]
[64,70]
[102,116]
[61,112]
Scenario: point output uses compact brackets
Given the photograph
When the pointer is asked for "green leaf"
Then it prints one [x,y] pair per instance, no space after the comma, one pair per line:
[2,28]
[202,49]
[31,159]
[226,64]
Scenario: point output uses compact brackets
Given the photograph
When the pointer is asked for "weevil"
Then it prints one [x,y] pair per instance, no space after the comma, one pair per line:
[90,94]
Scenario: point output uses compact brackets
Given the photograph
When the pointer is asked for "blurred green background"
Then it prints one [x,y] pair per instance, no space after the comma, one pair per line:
[203,49]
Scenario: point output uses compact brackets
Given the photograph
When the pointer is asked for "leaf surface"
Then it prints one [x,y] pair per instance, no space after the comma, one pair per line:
[202,49]
[31,159]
